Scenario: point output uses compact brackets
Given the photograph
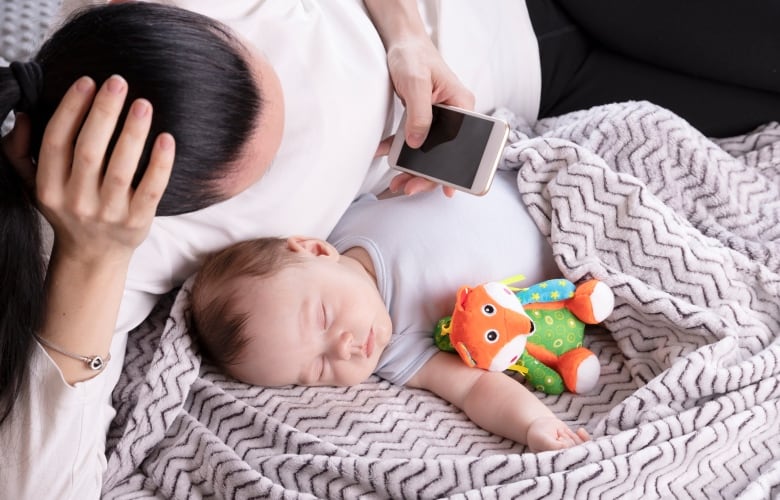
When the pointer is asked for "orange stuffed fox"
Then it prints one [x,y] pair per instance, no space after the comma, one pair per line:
[489,327]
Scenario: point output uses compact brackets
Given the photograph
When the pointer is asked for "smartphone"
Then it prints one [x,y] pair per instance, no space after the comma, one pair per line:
[462,149]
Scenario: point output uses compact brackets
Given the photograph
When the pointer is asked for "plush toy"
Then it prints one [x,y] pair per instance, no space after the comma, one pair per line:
[553,358]
[488,327]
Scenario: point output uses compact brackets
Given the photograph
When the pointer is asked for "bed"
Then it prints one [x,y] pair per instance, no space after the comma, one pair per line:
[684,229]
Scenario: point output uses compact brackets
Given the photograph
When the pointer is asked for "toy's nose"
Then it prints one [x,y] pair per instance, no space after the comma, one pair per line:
[520,324]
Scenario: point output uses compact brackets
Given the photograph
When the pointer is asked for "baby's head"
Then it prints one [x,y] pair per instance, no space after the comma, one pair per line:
[275,311]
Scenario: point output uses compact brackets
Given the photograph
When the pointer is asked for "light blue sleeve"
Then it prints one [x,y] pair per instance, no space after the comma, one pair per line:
[406,354]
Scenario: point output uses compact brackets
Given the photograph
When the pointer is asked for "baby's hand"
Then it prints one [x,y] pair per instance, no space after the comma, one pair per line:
[550,433]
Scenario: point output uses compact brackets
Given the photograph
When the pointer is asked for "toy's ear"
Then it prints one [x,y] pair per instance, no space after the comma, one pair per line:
[460,301]
[465,355]
[313,246]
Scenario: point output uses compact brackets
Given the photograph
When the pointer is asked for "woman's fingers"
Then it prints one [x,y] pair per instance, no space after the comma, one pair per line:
[417,98]
[410,185]
[56,154]
[115,189]
[96,133]
[384,147]
[150,190]
[86,195]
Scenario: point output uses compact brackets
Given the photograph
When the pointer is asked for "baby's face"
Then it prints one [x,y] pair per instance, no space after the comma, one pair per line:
[319,322]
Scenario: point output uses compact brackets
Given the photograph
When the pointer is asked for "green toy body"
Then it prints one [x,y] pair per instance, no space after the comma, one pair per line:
[554,359]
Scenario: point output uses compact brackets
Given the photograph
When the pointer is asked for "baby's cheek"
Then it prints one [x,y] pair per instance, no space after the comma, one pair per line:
[351,373]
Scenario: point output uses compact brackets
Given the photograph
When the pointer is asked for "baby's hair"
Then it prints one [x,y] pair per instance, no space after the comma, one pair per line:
[217,325]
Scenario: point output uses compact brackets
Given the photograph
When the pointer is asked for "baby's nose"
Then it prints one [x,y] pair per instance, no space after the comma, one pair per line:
[343,345]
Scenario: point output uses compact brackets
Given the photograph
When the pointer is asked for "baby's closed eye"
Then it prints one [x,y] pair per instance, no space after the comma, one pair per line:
[324,317]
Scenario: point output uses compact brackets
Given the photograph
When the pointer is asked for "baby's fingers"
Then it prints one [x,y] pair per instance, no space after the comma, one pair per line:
[571,438]
[155,179]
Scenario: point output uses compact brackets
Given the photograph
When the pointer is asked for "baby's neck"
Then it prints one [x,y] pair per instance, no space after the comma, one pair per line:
[360,257]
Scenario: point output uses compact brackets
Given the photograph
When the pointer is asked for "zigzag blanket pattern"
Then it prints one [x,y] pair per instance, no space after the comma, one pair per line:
[687,233]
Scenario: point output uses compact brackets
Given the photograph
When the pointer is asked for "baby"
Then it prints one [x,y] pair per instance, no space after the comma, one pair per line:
[276,311]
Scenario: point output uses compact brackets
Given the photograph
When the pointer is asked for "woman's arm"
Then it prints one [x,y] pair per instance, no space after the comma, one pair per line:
[497,403]
[57,427]
[97,217]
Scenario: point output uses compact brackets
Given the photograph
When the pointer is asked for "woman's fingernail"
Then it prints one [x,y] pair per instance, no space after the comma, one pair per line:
[166,141]
[141,108]
[84,84]
[115,84]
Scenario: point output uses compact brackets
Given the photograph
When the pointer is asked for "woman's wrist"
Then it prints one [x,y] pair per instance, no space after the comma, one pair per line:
[83,296]
[91,261]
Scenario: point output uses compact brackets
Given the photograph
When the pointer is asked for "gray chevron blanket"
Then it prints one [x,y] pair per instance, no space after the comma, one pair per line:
[686,231]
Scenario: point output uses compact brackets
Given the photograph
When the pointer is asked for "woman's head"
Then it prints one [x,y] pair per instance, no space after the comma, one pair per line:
[208,90]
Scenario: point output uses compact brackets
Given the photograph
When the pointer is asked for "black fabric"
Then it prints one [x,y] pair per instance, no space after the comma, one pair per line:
[722,40]
[604,51]
[29,76]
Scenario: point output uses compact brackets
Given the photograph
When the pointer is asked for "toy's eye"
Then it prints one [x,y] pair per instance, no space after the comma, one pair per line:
[491,336]
[488,309]
[532,329]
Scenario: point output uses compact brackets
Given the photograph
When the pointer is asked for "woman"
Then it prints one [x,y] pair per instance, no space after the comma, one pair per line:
[58,362]
[338,63]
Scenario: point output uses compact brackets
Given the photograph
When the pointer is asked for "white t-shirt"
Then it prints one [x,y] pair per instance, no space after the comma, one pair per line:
[54,444]
[338,106]
[425,247]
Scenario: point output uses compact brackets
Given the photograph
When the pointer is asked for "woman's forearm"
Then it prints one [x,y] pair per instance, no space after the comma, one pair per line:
[395,20]
[83,300]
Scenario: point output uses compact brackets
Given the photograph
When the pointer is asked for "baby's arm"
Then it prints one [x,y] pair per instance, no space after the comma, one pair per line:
[497,403]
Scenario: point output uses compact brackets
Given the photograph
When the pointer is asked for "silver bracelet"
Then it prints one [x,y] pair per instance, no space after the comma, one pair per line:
[96,362]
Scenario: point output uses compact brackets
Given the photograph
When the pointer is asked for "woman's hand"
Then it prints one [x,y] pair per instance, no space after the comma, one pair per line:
[420,78]
[97,216]
[87,198]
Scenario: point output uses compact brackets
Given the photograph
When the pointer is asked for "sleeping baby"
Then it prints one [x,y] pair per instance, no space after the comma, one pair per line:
[299,310]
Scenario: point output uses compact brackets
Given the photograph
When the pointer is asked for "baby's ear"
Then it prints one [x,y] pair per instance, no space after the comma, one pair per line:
[313,246]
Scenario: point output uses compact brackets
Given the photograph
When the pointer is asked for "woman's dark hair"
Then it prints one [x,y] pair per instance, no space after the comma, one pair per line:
[195,74]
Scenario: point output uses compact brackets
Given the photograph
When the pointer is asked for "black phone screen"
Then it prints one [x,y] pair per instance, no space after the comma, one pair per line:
[453,149]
